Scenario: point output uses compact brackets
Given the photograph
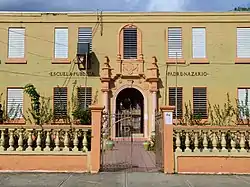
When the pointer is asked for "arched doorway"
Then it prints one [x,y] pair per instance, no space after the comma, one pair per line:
[130,101]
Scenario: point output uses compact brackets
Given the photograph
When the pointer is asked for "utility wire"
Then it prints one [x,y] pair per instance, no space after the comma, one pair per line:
[35,54]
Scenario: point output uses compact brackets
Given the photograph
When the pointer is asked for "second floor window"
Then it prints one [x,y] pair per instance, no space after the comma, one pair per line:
[85,36]
[60,102]
[61,43]
[200,102]
[16,43]
[172,100]
[174,42]
[243,42]
[199,42]
[130,43]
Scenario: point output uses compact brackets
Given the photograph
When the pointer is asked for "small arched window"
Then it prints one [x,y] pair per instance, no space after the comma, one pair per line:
[130,42]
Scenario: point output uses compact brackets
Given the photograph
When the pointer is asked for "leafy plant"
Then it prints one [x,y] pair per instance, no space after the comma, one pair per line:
[12,113]
[242,111]
[221,116]
[84,115]
[189,117]
[40,110]
[78,111]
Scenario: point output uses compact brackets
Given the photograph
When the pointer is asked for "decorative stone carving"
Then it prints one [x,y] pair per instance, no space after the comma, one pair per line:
[130,68]
[145,86]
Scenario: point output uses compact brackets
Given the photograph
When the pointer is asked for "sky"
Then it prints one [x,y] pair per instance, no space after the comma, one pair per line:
[121,5]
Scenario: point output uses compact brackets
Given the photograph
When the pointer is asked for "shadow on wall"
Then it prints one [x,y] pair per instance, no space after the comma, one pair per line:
[95,66]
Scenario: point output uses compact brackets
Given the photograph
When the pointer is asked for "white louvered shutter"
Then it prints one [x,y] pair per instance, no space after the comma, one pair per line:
[199,42]
[174,43]
[244,101]
[16,43]
[15,103]
[61,43]
[85,97]
[85,36]
[243,42]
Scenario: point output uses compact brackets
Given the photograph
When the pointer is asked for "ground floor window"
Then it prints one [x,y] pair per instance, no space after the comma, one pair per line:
[15,103]
[172,99]
[200,102]
[84,97]
[244,102]
[60,102]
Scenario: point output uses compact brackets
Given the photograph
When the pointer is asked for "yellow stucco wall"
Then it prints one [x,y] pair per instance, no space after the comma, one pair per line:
[224,75]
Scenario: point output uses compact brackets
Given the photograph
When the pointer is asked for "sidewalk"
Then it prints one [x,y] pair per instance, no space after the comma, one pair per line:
[119,180]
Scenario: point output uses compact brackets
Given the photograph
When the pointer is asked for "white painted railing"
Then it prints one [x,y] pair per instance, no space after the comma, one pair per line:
[211,139]
[43,140]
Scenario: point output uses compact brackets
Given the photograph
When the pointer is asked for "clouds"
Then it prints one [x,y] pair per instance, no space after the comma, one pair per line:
[121,5]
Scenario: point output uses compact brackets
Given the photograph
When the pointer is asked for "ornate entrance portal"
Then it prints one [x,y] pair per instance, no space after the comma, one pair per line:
[130,102]
[131,87]
[130,98]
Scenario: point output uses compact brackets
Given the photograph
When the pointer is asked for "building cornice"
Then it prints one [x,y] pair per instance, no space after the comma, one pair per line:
[122,17]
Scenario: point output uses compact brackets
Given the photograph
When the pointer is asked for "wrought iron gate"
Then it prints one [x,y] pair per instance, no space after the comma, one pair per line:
[119,158]
[128,154]
[159,146]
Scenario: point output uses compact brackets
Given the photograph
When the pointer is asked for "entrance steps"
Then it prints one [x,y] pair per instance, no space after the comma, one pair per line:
[134,139]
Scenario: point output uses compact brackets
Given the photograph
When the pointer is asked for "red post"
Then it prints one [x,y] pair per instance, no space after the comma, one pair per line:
[167,112]
[96,122]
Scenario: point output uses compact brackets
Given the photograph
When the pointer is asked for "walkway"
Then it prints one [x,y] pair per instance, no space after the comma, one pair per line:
[121,180]
[129,156]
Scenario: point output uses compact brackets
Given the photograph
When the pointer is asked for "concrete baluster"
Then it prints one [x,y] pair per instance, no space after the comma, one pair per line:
[11,140]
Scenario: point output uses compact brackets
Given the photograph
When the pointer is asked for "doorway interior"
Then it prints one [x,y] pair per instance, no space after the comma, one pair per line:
[130,101]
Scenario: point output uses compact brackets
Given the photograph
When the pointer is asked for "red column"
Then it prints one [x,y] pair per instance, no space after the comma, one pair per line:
[167,113]
[96,122]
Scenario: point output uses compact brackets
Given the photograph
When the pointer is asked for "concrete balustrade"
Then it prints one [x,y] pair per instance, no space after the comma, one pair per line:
[52,148]
[211,149]
[211,139]
[43,140]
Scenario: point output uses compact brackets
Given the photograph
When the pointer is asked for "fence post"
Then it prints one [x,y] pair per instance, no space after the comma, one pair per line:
[96,122]
[167,112]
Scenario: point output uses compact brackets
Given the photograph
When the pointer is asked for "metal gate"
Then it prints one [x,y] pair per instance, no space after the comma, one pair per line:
[128,153]
[118,158]
[159,143]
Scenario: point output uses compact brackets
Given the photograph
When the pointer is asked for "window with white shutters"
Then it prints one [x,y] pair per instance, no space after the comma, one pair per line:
[15,103]
[85,36]
[199,42]
[16,43]
[244,102]
[174,42]
[61,43]
[243,42]
[60,102]
[84,97]
[130,43]
[200,102]
[172,99]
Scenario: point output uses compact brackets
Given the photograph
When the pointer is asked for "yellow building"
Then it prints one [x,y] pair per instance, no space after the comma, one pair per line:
[131,59]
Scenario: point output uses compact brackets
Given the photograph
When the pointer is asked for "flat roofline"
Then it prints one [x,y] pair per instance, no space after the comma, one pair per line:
[153,13]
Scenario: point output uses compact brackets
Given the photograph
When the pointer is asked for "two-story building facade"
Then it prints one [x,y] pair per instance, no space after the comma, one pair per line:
[134,60]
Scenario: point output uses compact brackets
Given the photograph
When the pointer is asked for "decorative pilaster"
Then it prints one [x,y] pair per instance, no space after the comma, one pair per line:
[153,78]
[106,79]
